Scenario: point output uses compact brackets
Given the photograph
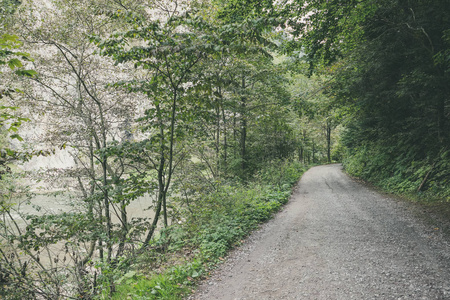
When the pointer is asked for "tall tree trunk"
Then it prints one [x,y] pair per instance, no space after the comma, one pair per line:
[154,222]
[300,154]
[217,139]
[225,145]
[313,152]
[304,145]
[243,130]
[328,141]
[170,158]
[124,221]
[161,180]
[235,132]
[106,205]
[441,120]
[161,186]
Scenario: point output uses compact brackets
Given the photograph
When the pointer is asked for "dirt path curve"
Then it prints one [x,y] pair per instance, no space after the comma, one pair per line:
[336,239]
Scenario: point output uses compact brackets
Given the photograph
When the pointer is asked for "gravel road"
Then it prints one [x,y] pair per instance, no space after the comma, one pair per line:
[337,239]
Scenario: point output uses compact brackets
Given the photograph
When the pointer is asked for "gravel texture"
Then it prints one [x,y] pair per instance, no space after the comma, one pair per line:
[336,239]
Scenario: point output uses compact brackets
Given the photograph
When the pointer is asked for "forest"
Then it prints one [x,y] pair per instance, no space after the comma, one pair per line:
[141,140]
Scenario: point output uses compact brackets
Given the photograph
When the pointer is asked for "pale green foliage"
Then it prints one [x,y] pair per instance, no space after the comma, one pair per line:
[186,106]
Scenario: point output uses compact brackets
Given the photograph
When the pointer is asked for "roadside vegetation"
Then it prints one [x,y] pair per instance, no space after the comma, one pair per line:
[389,64]
[190,105]
[393,75]
[186,252]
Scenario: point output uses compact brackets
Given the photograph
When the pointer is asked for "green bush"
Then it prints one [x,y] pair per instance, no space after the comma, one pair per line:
[400,171]
[171,285]
[214,222]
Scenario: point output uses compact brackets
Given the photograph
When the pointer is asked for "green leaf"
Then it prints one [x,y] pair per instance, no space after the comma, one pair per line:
[16,136]
[195,274]
[14,63]
[26,73]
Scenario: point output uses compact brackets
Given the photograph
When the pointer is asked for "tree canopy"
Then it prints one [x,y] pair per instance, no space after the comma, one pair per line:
[389,62]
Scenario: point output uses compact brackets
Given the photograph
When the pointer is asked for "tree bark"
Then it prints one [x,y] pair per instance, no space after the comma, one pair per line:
[243,131]
[328,129]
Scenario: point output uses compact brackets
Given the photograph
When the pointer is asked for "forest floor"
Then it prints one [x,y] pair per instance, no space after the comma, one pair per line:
[339,239]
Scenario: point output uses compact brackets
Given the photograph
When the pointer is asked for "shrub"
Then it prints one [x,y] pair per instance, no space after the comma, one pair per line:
[215,221]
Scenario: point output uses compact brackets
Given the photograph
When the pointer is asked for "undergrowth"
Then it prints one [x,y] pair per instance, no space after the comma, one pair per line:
[425,179]
[213,224]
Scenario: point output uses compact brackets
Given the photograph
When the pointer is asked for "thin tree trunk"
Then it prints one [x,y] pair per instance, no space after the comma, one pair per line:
[441,120]
[313,152]
[225,145]
[171,145]
[235,141]
[217,140]
[243,131]
[107,211]
[161,186]
[155,221]
[300,154]
[328,142]
[124,220]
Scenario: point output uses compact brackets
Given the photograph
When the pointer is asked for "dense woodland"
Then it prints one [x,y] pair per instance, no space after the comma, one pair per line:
[211,110]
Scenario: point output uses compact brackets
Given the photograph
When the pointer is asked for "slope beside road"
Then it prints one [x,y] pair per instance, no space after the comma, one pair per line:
[336,239]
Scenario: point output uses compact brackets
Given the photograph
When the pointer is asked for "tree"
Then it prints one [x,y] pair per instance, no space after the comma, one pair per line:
[389,70]
[10,57]
[79,114]
[169,54]
[170,51]
[170,84]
